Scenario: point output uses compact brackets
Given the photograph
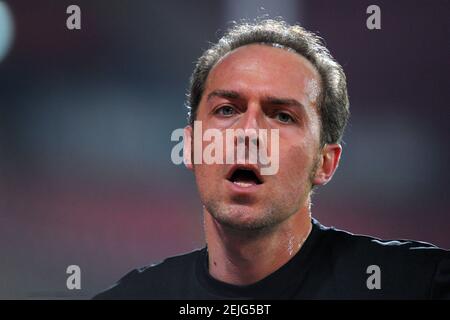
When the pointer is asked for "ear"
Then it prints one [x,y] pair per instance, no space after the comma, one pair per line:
[187,147]
[328,163]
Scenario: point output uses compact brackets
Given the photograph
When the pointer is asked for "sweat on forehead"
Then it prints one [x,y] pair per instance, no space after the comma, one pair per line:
[275,67]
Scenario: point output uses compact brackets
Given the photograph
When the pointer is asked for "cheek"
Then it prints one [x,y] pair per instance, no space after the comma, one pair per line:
[296,161]
[201,172]
[205,174]
[202,179]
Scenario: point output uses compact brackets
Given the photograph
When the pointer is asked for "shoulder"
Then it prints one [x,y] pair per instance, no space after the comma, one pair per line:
[156,280]
[349,243]
[419,268]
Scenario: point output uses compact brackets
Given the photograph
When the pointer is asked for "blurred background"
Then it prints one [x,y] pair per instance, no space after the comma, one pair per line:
[86,117]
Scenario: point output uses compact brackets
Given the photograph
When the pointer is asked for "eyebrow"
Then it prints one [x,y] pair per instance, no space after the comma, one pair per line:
[230,94]
[285,102]
[227,94]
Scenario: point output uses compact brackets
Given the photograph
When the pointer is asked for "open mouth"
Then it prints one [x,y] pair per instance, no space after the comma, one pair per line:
[244,176]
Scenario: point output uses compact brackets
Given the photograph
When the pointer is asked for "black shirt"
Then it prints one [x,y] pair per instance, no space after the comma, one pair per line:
[332,264]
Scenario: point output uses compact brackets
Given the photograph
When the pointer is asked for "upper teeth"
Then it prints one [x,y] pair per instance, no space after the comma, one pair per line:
[243,184]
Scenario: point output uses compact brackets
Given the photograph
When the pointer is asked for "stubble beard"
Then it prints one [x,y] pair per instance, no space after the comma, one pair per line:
[262,220]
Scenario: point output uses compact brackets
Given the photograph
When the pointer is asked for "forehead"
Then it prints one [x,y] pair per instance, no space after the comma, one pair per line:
[259,69]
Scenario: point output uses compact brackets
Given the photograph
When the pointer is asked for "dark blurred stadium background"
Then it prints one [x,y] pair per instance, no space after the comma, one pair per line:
[86,118]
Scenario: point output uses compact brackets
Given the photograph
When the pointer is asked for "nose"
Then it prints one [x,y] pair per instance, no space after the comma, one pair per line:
[250,122]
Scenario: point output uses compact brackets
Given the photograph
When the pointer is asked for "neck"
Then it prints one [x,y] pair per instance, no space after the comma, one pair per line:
[245,257]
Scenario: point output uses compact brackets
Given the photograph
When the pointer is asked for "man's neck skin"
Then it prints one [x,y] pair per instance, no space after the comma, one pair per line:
[242,259]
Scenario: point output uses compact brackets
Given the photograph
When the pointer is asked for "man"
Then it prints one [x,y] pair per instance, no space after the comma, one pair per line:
[261,242]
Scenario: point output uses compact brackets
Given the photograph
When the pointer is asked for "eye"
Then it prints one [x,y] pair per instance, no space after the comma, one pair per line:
[225,111]
[284,117]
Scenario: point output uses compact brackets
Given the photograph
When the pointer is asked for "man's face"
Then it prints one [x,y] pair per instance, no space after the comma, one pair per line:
[261,87]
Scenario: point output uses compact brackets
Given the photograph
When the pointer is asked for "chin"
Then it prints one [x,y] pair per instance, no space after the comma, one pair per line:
[245,218]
